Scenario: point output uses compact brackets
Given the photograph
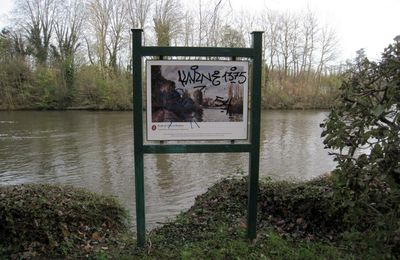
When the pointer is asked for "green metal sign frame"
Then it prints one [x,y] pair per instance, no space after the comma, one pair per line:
[253,147]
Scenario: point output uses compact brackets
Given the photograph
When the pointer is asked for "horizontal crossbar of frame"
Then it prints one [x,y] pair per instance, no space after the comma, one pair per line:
[198,148]
[201,51]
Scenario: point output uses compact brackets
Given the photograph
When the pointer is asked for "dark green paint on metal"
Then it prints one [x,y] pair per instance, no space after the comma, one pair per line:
[138,52]
[197,51]
[138,135]
[254,136]
[198,148]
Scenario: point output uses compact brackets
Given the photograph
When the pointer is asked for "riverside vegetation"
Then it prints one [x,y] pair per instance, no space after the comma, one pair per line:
[352,214]
[44,89]
[76,53]
[295,221]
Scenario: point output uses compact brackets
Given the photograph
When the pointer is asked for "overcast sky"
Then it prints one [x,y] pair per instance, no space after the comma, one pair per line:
[368,24]
[5,7]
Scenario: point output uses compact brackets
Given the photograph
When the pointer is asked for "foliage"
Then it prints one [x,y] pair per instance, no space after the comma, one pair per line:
[16,84]
[364,126]
[295,221]
[300,209]
[363,131]
[47,91]
[15,74]
[67,73]
[45,219]
[96,90]
[215,226]
[232,38]
[167,21]
[61,39]
[299,92]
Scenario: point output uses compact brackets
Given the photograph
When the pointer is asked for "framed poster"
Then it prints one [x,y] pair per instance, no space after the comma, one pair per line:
[197,100]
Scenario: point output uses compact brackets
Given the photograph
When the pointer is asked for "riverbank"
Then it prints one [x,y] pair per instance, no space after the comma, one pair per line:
[272,99]
[270,106]
[295,221]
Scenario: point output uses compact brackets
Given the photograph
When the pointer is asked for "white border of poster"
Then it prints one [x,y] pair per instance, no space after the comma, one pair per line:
[197,100]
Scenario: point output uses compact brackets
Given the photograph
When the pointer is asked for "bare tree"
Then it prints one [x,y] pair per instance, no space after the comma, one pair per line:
[309,31]
[138,14]
[269,21]
[328,48]
[167,21]
[215,24]
[117,30]
[200,27]
[37,18]
[99,22]
[209,24]
[67,28]
[285,36]
[295,44]
[107,24]
[295,39]
[231,37]
[245,22]
[188,32]
[12,45]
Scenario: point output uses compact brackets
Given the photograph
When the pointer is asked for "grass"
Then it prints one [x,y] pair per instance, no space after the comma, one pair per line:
[295,221]
[214,228]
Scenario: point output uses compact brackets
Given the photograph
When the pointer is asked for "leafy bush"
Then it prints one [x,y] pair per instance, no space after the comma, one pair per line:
[15,73]
[214,227]
[363,130]
[54,220]
[47,88]
[300,92]
[15,84]
[365,124]
[300,209]
[103,90]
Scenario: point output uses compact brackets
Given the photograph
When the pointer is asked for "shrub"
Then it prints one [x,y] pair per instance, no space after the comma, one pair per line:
[54,220]
[365,124]
[363,130]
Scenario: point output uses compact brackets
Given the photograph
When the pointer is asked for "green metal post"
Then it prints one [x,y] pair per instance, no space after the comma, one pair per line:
[138,134]
[255,137]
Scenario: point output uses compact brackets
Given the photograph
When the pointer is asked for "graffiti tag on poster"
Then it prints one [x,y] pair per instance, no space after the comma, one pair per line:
[197,100]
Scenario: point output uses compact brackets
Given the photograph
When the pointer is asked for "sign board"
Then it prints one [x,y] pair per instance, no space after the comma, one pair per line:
[197,100]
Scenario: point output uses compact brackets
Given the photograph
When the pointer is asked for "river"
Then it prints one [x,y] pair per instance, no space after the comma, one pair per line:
[94,150]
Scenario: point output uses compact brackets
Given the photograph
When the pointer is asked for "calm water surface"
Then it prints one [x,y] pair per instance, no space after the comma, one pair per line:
[94,150]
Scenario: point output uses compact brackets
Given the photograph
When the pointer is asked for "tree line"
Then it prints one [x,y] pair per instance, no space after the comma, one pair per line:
[76,53]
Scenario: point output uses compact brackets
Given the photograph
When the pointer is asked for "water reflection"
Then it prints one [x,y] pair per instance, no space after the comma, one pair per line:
[95,150]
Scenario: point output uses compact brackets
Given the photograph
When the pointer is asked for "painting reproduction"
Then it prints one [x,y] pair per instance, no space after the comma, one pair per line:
[197,100]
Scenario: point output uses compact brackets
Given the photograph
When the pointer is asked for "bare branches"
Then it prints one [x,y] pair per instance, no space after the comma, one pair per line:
[99,21]
[328,48]
[67,28]
[295,44]
[138,12]
[107,19]
[167,21]
[37,17]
